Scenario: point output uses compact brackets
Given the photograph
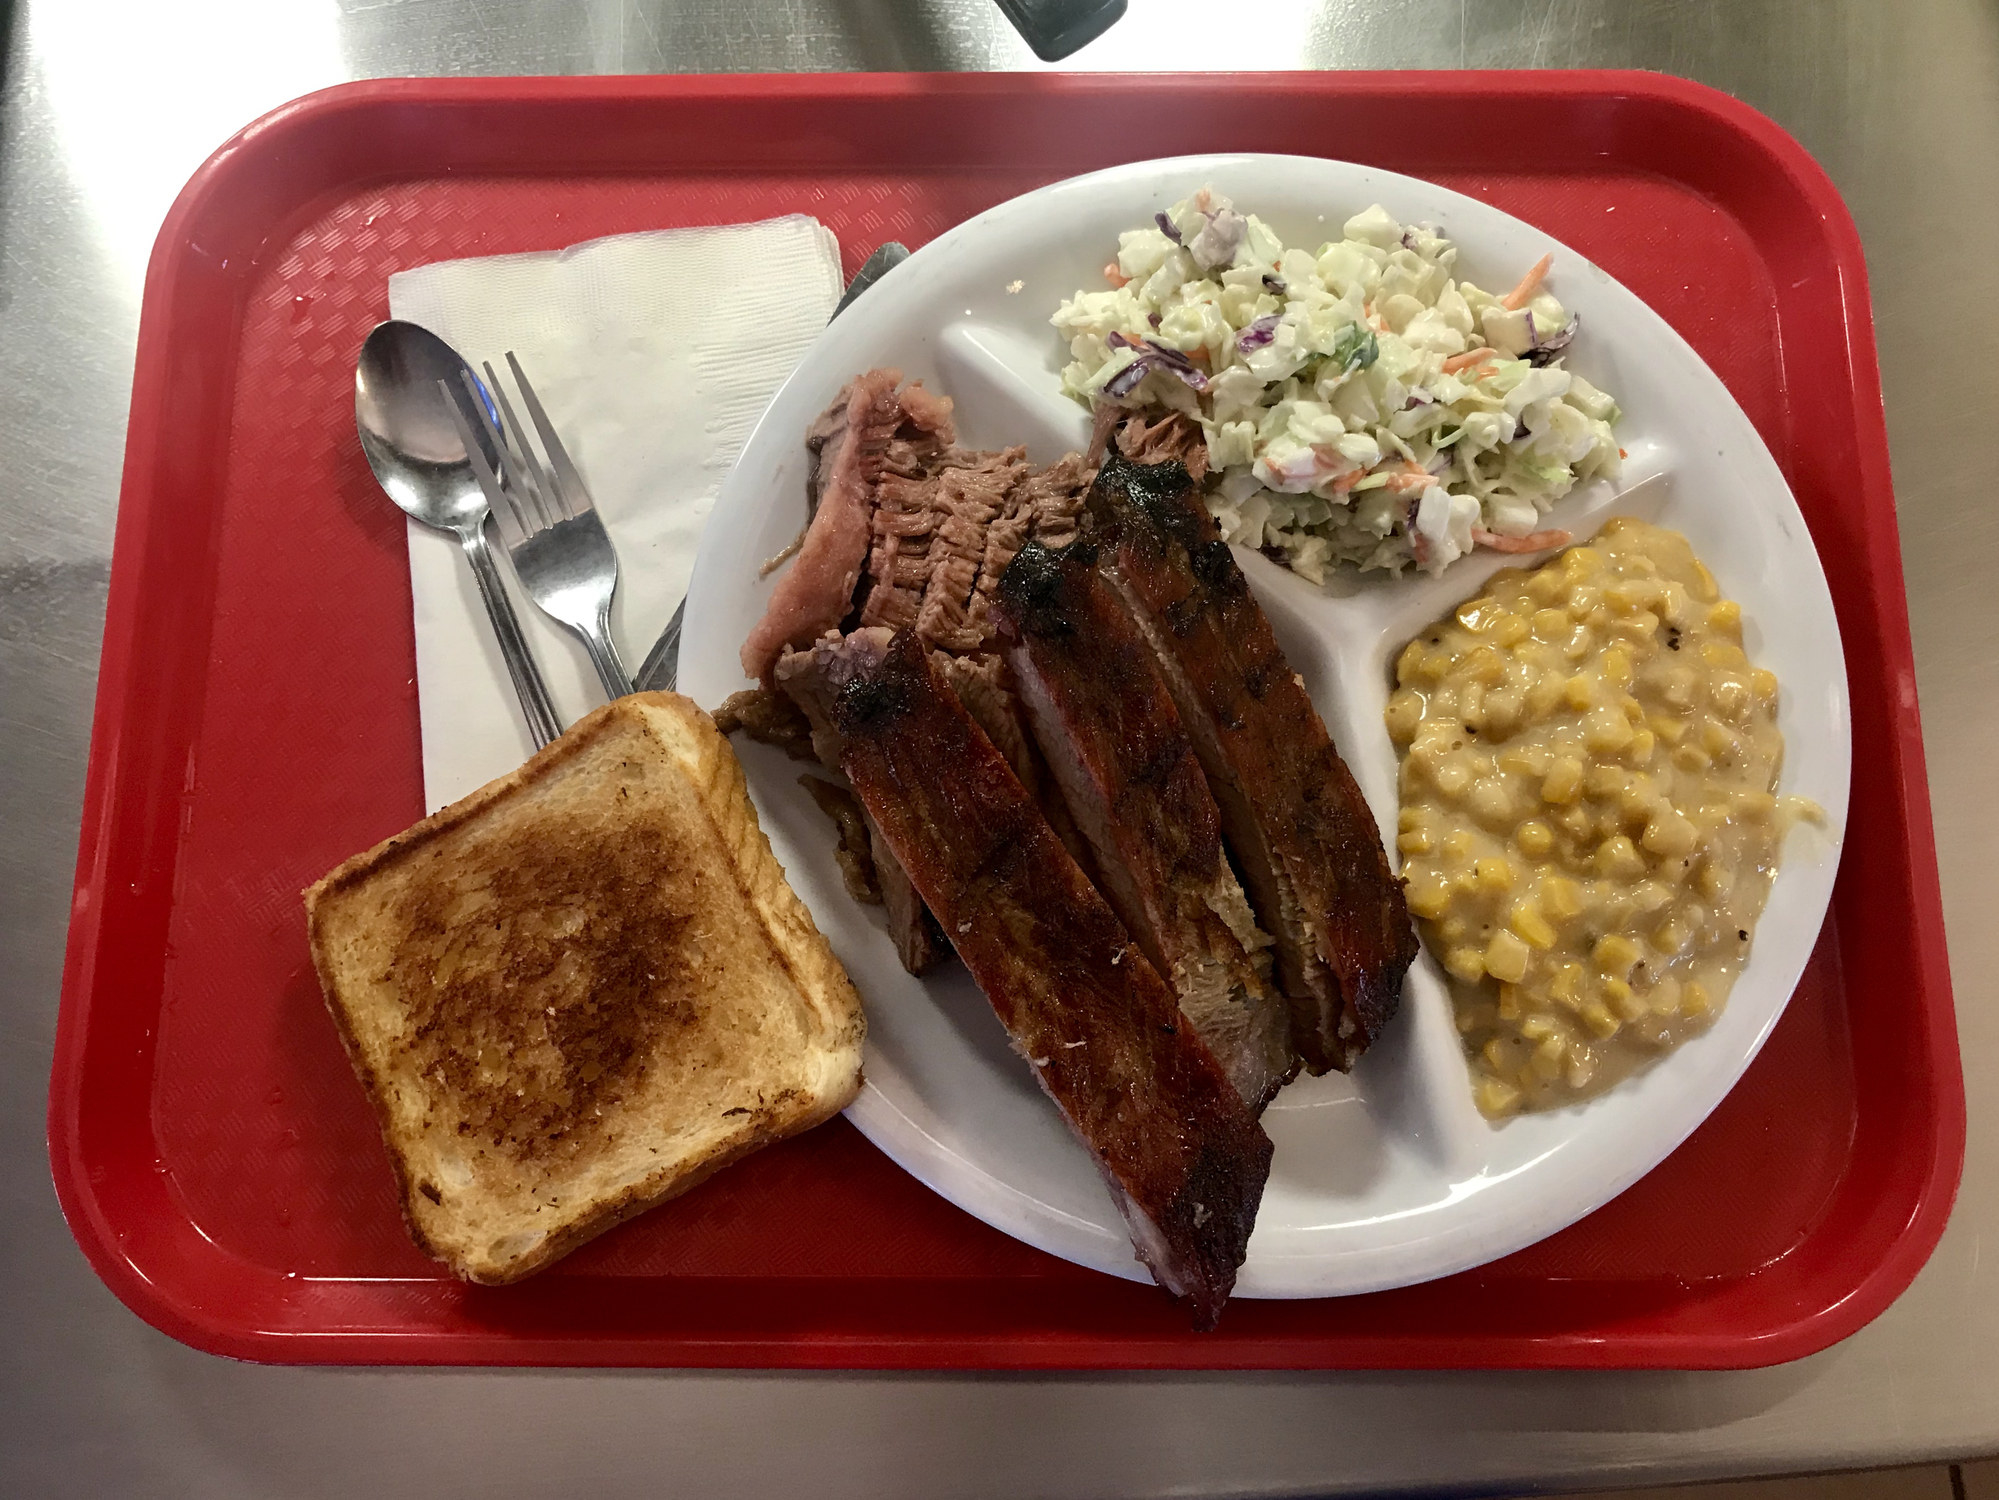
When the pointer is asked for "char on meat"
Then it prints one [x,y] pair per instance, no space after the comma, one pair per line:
[1183,1156]
[1129,776]
[1308,847]
[814,679]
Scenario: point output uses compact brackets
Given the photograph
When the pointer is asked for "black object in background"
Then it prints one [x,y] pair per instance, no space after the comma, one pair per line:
[1055,28]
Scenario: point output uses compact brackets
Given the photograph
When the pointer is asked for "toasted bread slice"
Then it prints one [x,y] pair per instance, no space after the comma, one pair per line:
[582,990]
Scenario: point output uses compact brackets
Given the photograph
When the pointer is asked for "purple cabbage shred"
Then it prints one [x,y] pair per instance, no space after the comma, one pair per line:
[1545,351]
[1167,227]
[1274,284]
[1259,334]
[1152,355]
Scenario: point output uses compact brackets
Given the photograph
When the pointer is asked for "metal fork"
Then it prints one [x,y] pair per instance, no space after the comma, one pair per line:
[560,550]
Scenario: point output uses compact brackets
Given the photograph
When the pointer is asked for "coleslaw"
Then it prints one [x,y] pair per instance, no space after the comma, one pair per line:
[1355,404]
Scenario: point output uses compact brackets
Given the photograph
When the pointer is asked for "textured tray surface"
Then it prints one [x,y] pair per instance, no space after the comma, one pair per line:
[257,723]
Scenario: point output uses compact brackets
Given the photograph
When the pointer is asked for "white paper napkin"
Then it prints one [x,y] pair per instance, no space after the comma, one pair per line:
[655,354]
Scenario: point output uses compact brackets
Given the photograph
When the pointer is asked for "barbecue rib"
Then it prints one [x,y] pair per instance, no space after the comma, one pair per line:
[1308,847]
[1130,778]
[813,679]
[1184,1158]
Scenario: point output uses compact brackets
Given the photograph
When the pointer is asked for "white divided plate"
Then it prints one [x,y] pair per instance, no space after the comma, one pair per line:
[1390,1176]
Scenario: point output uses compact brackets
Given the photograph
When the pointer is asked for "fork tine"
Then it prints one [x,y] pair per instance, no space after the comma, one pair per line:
[569,489]
[540,509]
[509,507]
[488,480]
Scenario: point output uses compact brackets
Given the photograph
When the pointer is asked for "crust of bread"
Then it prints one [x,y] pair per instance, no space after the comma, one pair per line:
[551,989]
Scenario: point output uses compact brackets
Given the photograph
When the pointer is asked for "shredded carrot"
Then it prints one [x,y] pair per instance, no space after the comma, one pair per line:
[1534,541]
[1114,276]
[1410,484]
[1516,299]
[1347,481]
[1465,361]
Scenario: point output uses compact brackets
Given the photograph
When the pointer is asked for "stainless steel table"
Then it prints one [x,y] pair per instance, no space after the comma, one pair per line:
[109,104]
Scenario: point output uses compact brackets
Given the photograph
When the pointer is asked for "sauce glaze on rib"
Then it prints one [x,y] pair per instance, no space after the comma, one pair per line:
[1184,1158]
[1308,847]
[1130,778]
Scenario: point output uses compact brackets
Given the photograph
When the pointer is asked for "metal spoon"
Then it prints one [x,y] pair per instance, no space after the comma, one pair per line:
[418,455]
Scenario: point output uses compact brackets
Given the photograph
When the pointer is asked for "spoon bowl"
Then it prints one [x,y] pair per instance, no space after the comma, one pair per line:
[415,435]
[406,429]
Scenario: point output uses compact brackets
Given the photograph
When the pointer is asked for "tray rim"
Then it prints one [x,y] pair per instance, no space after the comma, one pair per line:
[118,1254]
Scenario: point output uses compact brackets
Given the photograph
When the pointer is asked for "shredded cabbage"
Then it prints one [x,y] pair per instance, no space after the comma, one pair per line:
[1334,432]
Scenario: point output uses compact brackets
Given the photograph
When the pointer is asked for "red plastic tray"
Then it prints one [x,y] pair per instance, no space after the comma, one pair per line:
[256,722]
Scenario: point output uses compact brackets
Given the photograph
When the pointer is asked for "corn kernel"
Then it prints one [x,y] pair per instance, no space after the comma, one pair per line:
[1730,696]
[1408,818]
[1415,841]
[1407,663]
[1458,845]
[1691,758]
[1705,586]
[1542,1068]
[1526,920]
[1545,585]
[1606,731]
[1530,761]
[1575,821]
[1542,698]
[1467,963]
[1614,955]
[1404,713]
[1428,896]
[1597,1016]
[1452,777]
[1566,985]
[1619,858]
[1724,618]
[1551,625]
[1491,803]
[1670,834]
[1763,683]
[1534,838]
[1510,630]
[1579,562]
[1486,665]
[1497,1098]
[1494,1053]
[1694,1000]
[1563,781]
[1509,1002]
[1670,936]
[1643,743]
[1561,896]
[1617,666]
[1506,958]
[1494,874]
[1759,805]
[1680,686]
[1578,692]
[1621,999]
[1667,727]
[1605,781]
[1477,614]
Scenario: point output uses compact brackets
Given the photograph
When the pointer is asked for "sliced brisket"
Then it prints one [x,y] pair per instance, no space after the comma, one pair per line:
[814,594]
[1309,848]
[1184,1158]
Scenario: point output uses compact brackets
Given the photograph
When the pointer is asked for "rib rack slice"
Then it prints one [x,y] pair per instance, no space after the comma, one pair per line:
[1130,778]
[1183,1157]
[1308,847]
